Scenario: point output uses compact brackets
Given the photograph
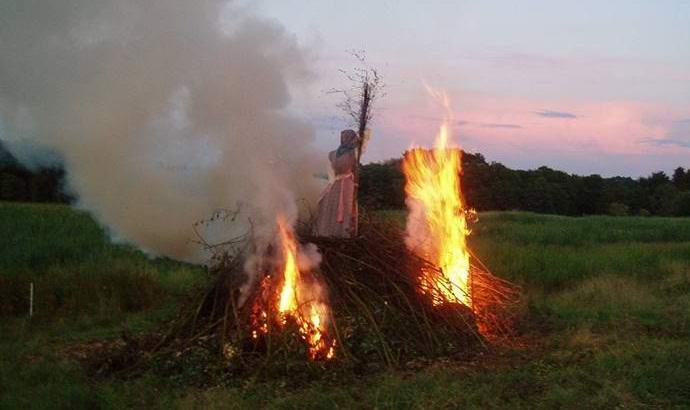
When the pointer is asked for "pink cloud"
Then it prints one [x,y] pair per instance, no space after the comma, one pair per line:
[512,127]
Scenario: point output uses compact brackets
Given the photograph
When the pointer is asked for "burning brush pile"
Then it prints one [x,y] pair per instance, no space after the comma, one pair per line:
[387,297]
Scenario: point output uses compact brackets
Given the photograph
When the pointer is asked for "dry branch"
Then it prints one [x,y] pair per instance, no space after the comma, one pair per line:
[379,315]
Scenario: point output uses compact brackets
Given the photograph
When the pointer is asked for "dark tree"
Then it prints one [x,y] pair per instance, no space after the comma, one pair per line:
[683,204]
[18,183]
[681,179]
[493,186]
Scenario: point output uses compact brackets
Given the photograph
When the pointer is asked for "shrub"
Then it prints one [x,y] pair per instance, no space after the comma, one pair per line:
[618,209]
[12,188]
[643,212]
[683,204]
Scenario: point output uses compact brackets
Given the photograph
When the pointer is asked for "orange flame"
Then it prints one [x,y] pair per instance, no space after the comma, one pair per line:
[299,300]
[437,227]
[288,295]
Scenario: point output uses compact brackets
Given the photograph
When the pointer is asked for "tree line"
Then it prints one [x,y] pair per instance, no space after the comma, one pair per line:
[495,187]
[486,187]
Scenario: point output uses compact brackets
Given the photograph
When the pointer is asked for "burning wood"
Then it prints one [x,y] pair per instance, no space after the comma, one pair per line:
[436,227]
[374,315]
[296,299]
[386,296]
[437,230]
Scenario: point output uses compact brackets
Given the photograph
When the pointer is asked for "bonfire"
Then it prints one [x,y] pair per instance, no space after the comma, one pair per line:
[437,230]
[389,296]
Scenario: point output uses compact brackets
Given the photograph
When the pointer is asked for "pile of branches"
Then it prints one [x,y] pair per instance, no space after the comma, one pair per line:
[379,317]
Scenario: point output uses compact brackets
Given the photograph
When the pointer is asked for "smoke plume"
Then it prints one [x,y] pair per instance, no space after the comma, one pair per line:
[161,110]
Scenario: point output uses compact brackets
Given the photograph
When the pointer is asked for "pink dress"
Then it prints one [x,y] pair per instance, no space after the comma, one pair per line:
[337,211]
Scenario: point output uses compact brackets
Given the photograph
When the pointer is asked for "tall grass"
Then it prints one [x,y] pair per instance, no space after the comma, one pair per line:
[552,252]
[75,268]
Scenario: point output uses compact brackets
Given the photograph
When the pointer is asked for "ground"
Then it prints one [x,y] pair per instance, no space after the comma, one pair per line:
[607,322]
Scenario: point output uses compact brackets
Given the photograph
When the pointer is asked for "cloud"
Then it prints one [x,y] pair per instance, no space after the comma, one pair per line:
[554,114]
[462,123]
[521,60]
[669,141]
[603,129]
[497,125]
[427,118]
[678,135]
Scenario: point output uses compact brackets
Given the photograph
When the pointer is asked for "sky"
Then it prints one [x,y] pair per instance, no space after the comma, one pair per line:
[586,87]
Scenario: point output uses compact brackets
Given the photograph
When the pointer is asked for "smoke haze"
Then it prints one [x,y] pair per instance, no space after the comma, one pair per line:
[161,110]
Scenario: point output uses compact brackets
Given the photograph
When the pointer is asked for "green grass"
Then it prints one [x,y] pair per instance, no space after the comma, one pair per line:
[607,322]
[74,267]
[552,252]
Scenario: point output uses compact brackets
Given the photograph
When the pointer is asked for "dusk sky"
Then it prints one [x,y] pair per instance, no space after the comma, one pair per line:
[586,87]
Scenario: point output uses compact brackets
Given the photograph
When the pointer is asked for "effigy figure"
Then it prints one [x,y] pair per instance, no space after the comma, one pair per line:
[337,210]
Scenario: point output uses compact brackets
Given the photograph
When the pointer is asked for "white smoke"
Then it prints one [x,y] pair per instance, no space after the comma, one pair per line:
[162,111]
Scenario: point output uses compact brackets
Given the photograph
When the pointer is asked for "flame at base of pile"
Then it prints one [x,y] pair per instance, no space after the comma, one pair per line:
[291,296]
[374,310]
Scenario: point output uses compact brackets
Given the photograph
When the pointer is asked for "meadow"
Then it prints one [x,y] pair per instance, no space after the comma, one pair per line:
[606,323]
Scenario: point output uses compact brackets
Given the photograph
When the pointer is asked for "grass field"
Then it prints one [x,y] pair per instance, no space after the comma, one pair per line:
[607,323]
